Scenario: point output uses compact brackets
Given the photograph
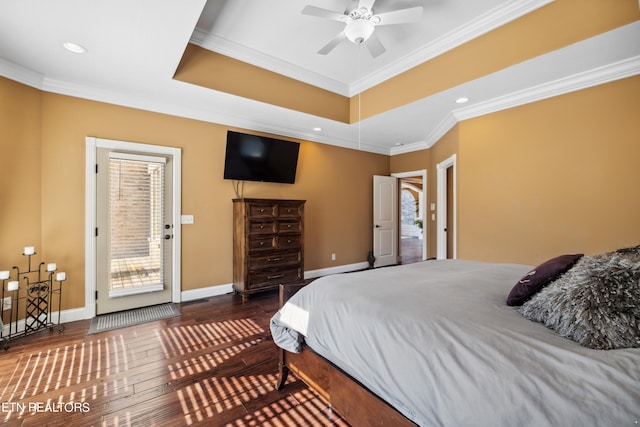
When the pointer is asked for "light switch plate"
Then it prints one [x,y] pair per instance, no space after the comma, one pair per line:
[186,219]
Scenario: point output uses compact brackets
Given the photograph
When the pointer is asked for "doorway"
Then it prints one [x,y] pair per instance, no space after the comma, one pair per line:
[446,217]
[133,230]
[413,216]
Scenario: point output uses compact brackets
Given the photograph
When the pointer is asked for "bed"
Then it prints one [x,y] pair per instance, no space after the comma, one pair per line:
[435,344]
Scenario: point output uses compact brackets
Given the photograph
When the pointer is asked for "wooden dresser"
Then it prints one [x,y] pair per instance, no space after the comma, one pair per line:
[268,244]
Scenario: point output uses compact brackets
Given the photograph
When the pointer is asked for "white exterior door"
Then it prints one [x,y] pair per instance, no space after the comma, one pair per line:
[134,230]
[385,220]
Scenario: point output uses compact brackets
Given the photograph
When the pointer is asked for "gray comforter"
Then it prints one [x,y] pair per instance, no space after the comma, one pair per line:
[437,341]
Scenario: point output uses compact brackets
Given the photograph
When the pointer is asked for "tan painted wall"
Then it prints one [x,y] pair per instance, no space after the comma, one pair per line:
[19,173]
[557,176]
[338,212]
[215,71]
[560,175]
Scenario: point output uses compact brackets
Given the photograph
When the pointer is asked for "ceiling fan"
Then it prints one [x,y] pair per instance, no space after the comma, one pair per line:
[360,23]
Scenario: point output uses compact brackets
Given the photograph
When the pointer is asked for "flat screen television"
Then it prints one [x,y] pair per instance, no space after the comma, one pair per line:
[258,158]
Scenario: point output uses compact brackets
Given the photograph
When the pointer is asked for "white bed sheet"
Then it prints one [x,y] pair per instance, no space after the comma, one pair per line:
[437,341]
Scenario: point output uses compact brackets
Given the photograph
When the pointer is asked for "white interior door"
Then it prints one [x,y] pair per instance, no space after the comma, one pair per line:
[385,220]
[134,230]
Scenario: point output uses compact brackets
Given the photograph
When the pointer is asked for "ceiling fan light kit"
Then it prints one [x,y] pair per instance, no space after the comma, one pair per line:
[360,24]
[359,31]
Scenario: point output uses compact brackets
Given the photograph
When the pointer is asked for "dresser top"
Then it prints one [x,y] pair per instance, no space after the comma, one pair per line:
[247,199]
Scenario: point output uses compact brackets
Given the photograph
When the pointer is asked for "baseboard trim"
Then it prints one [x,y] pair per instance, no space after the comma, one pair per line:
[312,274]
[87,312]
[209,291]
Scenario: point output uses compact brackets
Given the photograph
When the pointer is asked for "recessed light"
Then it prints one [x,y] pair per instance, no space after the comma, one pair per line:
[317,129]
[462,100]
[74,47]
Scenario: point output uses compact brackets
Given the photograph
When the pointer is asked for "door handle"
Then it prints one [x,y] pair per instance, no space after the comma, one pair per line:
[377,226]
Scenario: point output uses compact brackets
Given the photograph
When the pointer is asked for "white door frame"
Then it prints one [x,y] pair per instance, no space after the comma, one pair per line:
[441,220]
[92,144]
[423,205]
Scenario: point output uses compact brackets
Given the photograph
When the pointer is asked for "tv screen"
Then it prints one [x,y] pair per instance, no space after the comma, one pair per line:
[258,158]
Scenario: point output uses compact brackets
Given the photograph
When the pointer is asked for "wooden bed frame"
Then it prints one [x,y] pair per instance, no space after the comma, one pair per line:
[348,397]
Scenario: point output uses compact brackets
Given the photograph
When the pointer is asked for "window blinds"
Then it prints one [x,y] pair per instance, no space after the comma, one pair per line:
[136,219]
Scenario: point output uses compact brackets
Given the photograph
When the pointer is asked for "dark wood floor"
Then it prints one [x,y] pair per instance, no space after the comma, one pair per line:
[214,365]
[411,250]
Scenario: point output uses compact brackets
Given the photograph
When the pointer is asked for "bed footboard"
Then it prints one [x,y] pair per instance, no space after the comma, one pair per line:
[347,396]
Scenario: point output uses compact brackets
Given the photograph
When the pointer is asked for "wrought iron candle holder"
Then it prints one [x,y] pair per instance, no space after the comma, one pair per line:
[41,284]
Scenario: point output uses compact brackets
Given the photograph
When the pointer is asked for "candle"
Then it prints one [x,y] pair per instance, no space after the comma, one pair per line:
[29,250]
[52,266]
[4,275]
[13,285]
[61,277]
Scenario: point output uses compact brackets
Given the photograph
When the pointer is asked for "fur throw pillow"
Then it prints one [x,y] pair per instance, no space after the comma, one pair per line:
[596,303]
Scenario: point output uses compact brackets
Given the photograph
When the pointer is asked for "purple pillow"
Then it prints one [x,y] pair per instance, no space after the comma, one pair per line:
[539,277]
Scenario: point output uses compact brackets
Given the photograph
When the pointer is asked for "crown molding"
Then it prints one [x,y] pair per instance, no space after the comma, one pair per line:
[597,76]
[601,75]
[177,103]
[260,59]
[21,74]
[407,148]
[489,21]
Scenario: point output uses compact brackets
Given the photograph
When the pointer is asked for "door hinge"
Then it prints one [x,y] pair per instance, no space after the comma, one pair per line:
[96,231]
[96,168]
[96,295]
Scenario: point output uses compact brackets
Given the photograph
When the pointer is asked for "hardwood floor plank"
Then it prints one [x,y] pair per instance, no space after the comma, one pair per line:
[214,365]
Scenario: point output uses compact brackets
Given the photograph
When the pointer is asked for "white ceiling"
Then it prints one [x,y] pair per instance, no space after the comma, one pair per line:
[134,48]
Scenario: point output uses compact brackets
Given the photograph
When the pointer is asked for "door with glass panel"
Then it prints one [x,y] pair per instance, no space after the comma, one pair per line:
[134,230]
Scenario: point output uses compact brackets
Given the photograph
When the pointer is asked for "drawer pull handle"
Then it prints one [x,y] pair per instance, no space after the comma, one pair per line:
[262,210]
[275,259]
[261,243]
[275,276]
[288,225]
[289,241]
[288,210]
[262,227]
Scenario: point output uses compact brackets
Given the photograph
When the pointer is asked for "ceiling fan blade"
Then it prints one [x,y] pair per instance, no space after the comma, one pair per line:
[375,46]
[332,44]
[402,16]
[323,13]
[367,4]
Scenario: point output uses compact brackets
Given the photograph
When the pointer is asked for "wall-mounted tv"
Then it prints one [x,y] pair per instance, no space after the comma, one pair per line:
[258,158]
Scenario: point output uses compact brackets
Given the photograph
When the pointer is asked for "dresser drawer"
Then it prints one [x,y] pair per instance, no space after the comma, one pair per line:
[289,226]
[273,277]
[289,210]
[256,228]
[262,243]
[288,242]
[262,210]
[277,259]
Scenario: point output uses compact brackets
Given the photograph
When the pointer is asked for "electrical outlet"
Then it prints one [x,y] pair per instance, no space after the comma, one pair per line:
[333,257]
[6,304]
